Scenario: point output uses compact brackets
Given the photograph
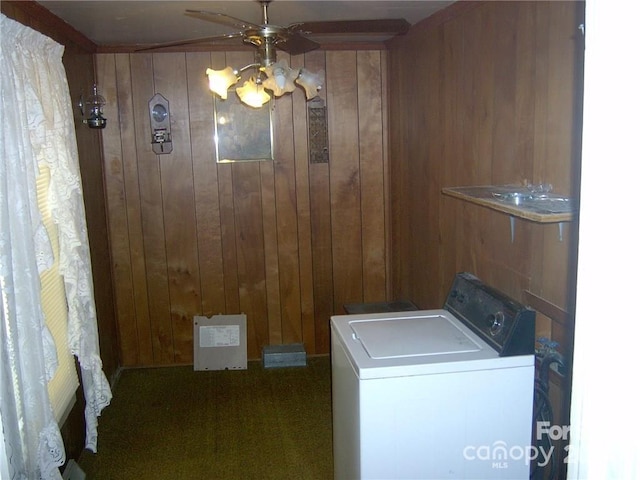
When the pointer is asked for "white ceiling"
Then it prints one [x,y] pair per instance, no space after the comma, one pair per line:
[119,22]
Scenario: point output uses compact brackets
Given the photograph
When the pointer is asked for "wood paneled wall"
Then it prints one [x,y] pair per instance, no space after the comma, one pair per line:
[285,242]
[491,98]
[486,93]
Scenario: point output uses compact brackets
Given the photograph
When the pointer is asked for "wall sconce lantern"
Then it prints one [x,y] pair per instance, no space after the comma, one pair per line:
[91,109]
[160,124]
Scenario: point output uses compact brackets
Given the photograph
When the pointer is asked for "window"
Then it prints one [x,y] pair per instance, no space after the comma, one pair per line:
[63,385]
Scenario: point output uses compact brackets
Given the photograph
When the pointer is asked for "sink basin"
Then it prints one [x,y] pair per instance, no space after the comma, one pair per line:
[516,198]
[538,202]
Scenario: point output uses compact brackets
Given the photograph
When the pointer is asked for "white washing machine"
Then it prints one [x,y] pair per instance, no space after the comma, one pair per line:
[435,394]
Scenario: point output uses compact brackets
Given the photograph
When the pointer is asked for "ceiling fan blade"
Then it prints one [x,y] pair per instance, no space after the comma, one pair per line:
[391,26]
[222,19]
[295,44]
[192,41]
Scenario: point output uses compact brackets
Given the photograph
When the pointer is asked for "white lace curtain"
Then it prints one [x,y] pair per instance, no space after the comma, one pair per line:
[37,126]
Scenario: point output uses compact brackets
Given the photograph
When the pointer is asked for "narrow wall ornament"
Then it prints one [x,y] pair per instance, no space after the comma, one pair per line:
[318,138]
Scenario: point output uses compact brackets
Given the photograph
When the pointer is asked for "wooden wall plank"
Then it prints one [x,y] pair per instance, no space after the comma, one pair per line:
[272,267]
[228,235]
[506,166]
[322,254]
[205,184]
[247,201]
[526,35]
[133,209]
[152,212]
[427,242]
[227,217]
[287,220]
[452,138]
[540,123]
[478,142]
[301,152]
[566,47]
[371,151]
[384,68]
[400,121]
[117,212]
[346,218]
[564,38]
[518,259]
[180,234]
[248,262]
[475,111]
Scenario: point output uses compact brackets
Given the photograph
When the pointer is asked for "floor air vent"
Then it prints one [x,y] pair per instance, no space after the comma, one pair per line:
[292,355]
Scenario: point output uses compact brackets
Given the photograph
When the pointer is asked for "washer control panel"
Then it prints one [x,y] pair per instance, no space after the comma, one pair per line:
[506,325]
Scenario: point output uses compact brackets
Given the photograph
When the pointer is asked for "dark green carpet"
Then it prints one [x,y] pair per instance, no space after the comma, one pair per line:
[174,423]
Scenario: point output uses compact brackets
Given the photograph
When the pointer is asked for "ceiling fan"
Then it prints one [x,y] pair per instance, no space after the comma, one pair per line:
[275,76]
[291,39]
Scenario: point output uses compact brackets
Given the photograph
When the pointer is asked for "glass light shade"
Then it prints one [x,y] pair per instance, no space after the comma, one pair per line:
[311,82]
[221,80]
[253,94]
[280,78]
[91,109]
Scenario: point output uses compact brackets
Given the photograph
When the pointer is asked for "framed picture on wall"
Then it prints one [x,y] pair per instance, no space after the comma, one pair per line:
[242,133]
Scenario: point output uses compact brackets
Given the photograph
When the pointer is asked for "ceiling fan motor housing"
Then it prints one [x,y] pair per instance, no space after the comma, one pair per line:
[265,40]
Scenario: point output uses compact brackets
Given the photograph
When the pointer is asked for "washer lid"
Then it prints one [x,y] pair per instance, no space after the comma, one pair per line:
[411,337]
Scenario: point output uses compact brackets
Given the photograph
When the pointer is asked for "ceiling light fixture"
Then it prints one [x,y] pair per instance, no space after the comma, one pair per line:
[277,77]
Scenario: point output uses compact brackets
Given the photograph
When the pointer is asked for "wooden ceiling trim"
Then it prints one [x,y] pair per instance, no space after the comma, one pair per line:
[233,48]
